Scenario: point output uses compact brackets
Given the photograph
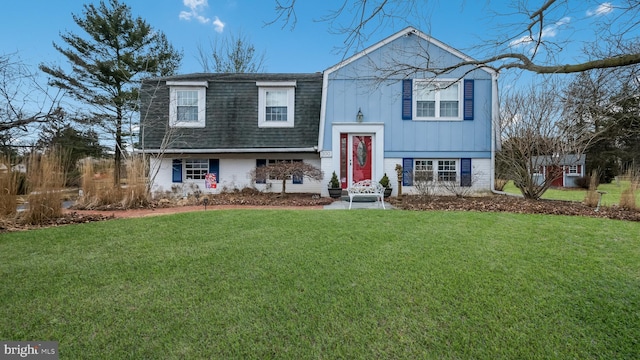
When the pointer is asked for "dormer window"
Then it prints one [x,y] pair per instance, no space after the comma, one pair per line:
[187,103]
[276,103]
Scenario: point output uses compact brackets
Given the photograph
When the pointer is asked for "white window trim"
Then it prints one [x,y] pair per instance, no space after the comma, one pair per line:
[572,167]
[414,100]
[263,87]
[174,87]
[185,177]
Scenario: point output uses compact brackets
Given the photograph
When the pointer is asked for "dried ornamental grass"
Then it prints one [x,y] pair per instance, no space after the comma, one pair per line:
[46,178]
[592,197]
[8,189]
[98,188]
[628,196]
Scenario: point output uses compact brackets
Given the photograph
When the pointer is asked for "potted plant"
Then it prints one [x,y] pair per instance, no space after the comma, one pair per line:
[387,187]
[335,190]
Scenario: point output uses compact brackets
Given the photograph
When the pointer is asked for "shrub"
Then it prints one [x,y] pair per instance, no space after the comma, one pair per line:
[284,170]
[424,186]
[384,181]
[499,184]
[334,183]
[585,181]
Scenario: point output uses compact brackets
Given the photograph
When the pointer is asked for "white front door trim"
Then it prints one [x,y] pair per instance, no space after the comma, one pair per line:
[374,129]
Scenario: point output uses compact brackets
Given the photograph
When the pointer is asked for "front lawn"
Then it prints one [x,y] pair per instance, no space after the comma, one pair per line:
[360,284]
[612,197]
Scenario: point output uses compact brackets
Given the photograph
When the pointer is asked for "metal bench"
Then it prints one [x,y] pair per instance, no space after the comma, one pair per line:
[366,188]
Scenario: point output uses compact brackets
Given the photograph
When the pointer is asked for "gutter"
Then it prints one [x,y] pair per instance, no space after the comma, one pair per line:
[495,118]
[227,151]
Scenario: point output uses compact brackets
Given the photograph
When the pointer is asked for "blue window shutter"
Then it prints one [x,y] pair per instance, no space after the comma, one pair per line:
[259,163]
[465,172]
[407,99]
[297,179]
[214,168]
[407,172]
[177,171]
[468,100]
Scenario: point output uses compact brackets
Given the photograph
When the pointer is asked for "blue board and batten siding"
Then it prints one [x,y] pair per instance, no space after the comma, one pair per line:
[356,86]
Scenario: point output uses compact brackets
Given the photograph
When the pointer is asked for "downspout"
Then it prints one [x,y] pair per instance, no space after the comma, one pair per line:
[495,118]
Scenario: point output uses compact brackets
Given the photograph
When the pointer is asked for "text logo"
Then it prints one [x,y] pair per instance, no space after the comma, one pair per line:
[39,350]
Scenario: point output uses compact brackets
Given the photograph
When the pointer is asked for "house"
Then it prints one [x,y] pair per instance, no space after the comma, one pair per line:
[361,118]
[20,168]
[380,111]
[563,169]
[208,132]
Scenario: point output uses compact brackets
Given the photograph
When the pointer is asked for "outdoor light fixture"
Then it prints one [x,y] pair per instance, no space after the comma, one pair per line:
[359,117]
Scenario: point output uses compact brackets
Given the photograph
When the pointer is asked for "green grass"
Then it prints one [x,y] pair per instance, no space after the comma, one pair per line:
[367,284]
[612,196]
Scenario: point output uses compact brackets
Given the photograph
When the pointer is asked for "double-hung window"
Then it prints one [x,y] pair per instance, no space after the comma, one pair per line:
[276,103]
[196,169]
[187,103]
[424,170]
[447,170]
[437,100]
[440,170]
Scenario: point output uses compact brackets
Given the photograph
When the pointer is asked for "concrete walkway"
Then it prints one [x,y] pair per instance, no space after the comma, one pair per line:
[344,205]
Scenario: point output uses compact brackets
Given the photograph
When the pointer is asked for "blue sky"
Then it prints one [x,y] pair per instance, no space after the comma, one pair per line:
[30,27]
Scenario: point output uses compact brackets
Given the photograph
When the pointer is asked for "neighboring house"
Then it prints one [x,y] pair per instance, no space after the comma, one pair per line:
[209,131]
[21,168]
[564,170]
[379,110]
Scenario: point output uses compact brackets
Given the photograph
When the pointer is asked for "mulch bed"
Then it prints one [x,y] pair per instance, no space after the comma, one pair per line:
[513,204]
[66,219]
[243,199]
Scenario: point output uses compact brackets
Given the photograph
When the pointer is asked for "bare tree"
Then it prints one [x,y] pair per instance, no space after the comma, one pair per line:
[286,170]
[152,125]
[535,134]
[24,101]
[458,189]
[524,44]
[233,54]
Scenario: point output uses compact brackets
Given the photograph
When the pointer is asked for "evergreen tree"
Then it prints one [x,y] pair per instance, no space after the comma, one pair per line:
[625,126]
[106,65]
[74,145]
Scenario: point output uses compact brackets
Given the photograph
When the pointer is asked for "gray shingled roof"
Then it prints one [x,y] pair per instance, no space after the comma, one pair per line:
[232,113]
[567,159]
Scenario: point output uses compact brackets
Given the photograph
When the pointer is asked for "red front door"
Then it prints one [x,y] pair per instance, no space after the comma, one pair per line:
[361,158]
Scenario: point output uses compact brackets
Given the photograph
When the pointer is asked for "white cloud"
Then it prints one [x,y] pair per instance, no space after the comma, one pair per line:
[521,41]
[602,9]
[547,32]
[196,7]
[218,25]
